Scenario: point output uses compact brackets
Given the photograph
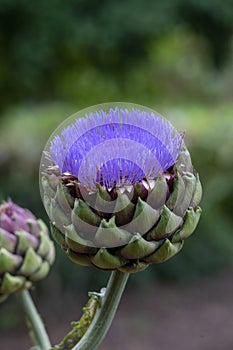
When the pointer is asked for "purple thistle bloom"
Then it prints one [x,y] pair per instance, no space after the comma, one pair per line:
[119,175]
[116,148]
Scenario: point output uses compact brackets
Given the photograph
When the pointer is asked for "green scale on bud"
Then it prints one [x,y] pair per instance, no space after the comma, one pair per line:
[127,228]
[26,251]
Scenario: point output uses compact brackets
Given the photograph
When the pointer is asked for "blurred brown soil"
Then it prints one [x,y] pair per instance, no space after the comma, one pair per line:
[197,315]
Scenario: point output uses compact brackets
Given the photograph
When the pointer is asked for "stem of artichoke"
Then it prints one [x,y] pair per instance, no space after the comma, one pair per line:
[105,314]
[35,321]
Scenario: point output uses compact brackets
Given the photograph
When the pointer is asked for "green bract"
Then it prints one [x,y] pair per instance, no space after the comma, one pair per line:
[153,220]
[26,251]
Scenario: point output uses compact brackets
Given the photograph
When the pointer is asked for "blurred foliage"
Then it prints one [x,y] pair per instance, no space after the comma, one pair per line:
[210,140]
[50,49]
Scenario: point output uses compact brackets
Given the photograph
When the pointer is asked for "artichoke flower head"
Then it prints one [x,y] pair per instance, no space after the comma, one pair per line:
[26,251]
[119,187]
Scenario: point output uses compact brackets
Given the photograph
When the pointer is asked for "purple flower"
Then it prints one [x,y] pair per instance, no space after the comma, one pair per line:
[116,148]
[119,188]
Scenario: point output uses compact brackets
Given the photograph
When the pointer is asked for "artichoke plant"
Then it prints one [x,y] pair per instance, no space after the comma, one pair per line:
[119,187]
[26,251]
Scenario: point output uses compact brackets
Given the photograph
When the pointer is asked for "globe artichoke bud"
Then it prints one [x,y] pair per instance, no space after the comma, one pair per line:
[26,251]
[119,187]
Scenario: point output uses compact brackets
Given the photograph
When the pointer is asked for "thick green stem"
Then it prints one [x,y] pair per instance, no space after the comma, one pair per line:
[36,324]
[104,316]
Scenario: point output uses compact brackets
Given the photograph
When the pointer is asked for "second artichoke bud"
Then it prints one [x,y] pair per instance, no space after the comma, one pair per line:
[26,251]
[119,187]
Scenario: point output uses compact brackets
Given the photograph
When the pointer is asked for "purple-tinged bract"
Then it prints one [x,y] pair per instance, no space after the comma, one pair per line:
[26,251]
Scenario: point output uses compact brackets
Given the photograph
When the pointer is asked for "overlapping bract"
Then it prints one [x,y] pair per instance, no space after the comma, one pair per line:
[26,251]
[154,219]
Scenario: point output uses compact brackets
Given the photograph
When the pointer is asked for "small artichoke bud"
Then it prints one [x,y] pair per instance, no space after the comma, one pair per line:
[26,251]
[119,187]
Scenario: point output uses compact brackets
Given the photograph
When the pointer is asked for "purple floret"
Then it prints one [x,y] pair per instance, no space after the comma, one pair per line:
[117,147]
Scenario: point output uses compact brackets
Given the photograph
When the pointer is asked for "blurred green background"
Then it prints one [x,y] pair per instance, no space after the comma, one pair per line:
[175,56]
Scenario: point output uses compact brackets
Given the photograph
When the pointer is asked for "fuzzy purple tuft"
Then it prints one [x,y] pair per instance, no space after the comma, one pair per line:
[116,148]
